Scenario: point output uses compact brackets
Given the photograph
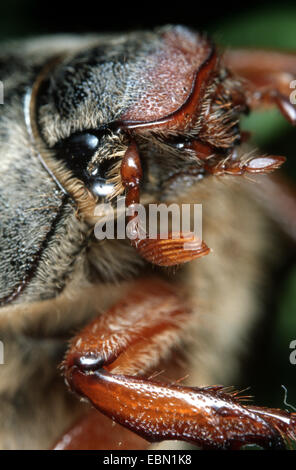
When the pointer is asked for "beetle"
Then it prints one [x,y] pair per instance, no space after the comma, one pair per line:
[154,116]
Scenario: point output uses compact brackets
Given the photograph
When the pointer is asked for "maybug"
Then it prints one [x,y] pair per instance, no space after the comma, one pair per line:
[154,116]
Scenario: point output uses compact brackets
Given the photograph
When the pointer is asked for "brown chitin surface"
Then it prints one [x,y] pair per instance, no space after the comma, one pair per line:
[171,250]
[151,310]
[207,417]
[263,67]
[103,358]
[165,81]
[97,432]
[267,77]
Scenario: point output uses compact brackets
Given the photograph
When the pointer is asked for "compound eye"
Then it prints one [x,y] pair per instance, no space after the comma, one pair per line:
[76,151]
[82,145]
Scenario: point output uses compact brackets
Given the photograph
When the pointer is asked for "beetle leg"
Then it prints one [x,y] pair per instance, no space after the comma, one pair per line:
[174,248]
[259,164]
[97,432]
[103,359]
[269,77]
[217,164]
[273,96]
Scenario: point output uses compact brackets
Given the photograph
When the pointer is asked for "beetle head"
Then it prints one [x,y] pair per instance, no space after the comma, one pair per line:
[165,90]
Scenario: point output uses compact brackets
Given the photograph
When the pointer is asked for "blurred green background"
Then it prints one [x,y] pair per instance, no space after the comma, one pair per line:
[269,366]
[256,24]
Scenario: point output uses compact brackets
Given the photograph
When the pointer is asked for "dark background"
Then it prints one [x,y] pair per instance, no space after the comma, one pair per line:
[19,18]
[265,24]
[24,17]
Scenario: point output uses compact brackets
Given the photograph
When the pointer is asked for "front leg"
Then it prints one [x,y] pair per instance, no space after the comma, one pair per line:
[104,359]
[268,78]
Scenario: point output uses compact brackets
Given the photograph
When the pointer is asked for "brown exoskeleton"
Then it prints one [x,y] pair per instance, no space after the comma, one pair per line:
[154,116]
